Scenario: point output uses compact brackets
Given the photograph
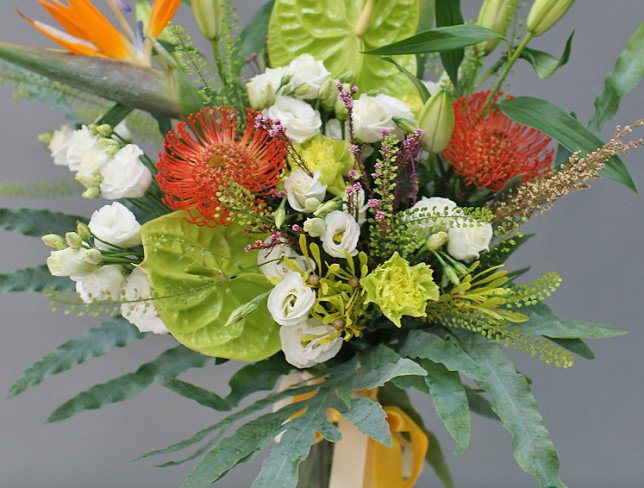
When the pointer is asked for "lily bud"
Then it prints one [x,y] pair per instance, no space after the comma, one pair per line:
[208,14]
[437,120]
[435,241]
[54,241]
[544,14]
[495,15]
[73,240]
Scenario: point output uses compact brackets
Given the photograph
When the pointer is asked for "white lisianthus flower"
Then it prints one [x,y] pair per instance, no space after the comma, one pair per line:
[59,143]
[116,225]
[71,262]
[81,142]
[290,302]
[333,130]
[317,349]
[104,284]
[430,206]
[372,115]
[341,234]
[306,76]
[125,176]
[141,313]
[466,243]
[301,188]
[300,119]
[92,162]
[271,261]
[262,89]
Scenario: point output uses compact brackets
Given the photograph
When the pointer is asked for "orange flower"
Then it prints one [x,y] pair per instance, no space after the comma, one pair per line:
[87,32]
[196,163]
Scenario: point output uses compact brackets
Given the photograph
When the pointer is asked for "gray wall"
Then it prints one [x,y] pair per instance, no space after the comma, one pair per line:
[593,239]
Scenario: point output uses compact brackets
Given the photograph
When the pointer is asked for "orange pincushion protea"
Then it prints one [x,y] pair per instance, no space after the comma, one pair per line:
[489,149]
[196,163]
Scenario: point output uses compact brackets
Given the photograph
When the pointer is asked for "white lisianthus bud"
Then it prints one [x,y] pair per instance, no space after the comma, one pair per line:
[70,262]
[115,224]
[333,130]
[435,241]
[300,120]
[467,242]
[315,227]
[309,343]
[125,176]
[59,143]
[307,76]
[328,207]
[341,234]
[419,214]
[208,14]
[55,242]
[94,256]
[73,240]
[83,146]
[102,285]
[290,302]
[139,308]
[271,261]
[262,89]
[372,115]
[300,187]
[495,15]
[544,14]
[437,121]
[328,94]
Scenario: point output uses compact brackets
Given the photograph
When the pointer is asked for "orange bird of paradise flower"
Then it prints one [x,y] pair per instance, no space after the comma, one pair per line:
[87,32]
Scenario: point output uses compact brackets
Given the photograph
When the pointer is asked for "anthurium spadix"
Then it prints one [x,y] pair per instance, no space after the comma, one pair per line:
[157,92]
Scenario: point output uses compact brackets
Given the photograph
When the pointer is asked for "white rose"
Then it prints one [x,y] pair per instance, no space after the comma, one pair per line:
[82,141]
[102,285]
[271,261]
[291,300]
[307,76]
[430,206]
[263,88]
[372,115]
[466,243]
[59,143]
[300,120]
[341,234]
[141,313]
[306,354]
[70,262]
[116,225]
[301,187]
[125,176]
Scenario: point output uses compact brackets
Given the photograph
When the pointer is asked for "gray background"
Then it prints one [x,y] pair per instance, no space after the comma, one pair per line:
[593,239]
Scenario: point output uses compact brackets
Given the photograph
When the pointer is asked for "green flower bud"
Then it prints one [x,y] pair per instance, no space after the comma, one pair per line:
[437,120]
[73,240]
[280,215]
[104,130]
[495,15]
[435,241]
[404,124]
[209,15]
[54,241]
[89,181]
[93,256]
[315,227]
[311,204]
[45,137]
[451,275]
[544,14]
[329,94]
[83,231]
[260,99]
[328,207]
[92,193]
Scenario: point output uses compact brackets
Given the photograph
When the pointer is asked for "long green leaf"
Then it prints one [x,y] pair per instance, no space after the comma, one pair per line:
[544,322]
[577,346]
[625,75]
[438,40]
[545,64]
[252,39]
[546,117]
[515,405]
[115,115]
[37,223]
[450,402]
[418,84]
[96,342]
[200,395]
[36,279]
[448,13]
[171,363]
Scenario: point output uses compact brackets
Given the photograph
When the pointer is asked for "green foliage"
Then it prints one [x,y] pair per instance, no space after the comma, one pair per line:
[36,279]
[96,342]
[448,13]
[343,52]
[479,404]
[252,38]
[37,223]
[200,277]
[548,118]
[418,83]
[40,189]
[577,346]
[544,64]
[171,363]
[625,75]
[543,322]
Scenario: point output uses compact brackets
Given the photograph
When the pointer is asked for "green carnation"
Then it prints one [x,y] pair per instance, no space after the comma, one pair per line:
[331,158]
[399,289]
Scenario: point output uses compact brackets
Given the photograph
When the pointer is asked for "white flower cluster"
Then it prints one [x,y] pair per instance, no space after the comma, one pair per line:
[106,170]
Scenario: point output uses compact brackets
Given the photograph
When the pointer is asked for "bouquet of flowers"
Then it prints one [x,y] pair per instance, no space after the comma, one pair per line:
[319,210]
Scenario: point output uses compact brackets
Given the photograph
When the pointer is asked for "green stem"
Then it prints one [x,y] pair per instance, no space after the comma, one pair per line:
[515,55]
[220,64]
